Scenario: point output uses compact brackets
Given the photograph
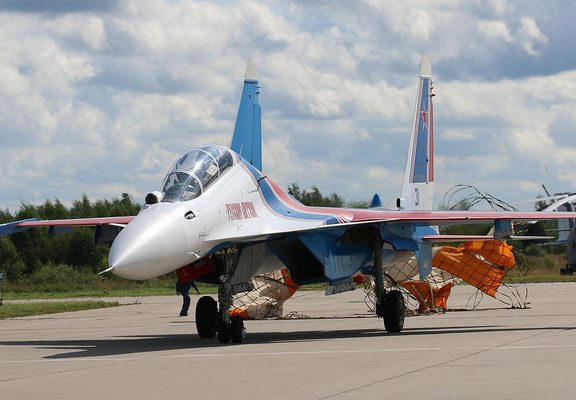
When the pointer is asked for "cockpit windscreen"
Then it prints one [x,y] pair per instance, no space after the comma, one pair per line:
[194,171]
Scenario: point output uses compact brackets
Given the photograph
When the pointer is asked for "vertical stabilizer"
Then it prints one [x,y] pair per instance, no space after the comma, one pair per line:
[247,139]
[417,186]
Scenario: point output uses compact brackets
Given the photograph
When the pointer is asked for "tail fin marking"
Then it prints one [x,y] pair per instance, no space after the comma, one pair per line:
[247,139]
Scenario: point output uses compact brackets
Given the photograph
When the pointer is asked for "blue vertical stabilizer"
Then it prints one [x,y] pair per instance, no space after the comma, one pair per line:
[247,139]
[376,201]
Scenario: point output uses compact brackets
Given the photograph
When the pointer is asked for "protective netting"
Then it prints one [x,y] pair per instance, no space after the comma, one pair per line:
[464,197]
[483,265]
[476,265]
[267,298]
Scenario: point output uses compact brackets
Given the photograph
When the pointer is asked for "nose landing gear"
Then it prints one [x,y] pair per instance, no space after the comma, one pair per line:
[212,321]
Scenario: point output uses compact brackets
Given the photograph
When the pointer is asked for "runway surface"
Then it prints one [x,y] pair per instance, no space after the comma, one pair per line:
[145,351]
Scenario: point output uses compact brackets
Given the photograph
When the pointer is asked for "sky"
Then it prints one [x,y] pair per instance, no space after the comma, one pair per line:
[101,97]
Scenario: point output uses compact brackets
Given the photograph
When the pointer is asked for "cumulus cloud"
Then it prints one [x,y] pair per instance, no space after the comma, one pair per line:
[89,29]
[530,36]
[496,30]
[100,96]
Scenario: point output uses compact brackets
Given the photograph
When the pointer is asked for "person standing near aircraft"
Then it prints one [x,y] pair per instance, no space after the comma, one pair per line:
[183,285]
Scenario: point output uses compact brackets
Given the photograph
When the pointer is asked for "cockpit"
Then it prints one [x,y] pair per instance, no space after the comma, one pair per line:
[192,173]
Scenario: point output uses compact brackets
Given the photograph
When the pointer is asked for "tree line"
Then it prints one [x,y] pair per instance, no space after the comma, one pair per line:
[23,253]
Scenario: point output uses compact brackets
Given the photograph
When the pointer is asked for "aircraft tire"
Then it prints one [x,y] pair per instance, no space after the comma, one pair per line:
[223,332]
[206,317]
[237,330]
[394,311]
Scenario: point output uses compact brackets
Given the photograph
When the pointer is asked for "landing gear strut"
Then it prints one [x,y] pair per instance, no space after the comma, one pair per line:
[227,328]
[389,304]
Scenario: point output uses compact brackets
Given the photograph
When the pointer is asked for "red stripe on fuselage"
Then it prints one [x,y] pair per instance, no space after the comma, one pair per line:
[431,151]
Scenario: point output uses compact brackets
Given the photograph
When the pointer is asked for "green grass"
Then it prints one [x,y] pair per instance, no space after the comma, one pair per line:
[89,292]
[128,292]
[539,269]
[24,310]
[62,282]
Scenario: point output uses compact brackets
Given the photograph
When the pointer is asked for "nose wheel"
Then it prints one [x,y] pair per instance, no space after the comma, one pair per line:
[223,332]
[206,317]
[234,331]
[237,330]
[210,324]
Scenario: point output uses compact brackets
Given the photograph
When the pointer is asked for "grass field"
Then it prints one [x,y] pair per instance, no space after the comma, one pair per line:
[538,269]
[65,285]
[92,292]
[129,292]
[23,310]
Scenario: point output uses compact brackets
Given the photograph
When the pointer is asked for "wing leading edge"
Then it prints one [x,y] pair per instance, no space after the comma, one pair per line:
[24,225]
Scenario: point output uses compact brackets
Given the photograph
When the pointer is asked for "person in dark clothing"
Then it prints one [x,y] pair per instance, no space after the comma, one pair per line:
[183,288]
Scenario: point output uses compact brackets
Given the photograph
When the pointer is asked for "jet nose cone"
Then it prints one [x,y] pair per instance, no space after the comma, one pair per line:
[153,244]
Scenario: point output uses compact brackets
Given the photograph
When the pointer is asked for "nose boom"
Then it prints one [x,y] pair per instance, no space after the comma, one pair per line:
[153,244]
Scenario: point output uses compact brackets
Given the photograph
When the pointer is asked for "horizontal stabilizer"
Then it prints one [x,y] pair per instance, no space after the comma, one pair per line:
[477,238]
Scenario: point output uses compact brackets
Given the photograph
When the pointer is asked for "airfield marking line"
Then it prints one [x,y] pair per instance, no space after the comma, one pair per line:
[290,353]
[68,360]
[404,374]
[506,346]
[318,352]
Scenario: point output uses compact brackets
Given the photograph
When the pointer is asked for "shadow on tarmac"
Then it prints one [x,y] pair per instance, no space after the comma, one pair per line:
[126,345]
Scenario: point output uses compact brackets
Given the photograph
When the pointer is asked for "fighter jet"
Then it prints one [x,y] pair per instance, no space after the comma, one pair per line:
[218,215]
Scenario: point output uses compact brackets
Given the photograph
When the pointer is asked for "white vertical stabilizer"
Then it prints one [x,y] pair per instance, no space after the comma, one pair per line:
[417,186]
[251,71]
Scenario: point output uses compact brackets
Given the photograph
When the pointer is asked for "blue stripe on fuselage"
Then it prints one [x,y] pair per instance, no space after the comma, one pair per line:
[278,206]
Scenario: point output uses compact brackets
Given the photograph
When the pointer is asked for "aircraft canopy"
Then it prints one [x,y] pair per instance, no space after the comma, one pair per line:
[194,171]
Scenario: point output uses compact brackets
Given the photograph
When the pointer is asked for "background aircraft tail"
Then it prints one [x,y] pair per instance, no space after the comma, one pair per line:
[247,139]
[417,186]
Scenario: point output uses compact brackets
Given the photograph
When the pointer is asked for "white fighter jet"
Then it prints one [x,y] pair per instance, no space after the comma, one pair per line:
[220,216]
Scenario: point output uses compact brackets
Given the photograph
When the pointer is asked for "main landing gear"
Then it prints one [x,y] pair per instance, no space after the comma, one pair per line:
[389,304]
[213,321]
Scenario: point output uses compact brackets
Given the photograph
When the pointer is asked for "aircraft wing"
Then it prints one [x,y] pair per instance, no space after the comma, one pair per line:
[62,225]
[457,217]
[360,217]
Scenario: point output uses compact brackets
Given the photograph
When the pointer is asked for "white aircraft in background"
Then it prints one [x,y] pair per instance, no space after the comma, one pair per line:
[217,213]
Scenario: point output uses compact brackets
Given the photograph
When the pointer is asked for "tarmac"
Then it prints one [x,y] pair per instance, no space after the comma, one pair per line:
[144,350]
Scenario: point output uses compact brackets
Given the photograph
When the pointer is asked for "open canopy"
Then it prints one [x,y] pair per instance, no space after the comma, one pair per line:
[192,173]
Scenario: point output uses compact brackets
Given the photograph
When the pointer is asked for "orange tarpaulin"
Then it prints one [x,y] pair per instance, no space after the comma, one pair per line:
[427,296]
[271,290]
[495,251]
[464,263]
